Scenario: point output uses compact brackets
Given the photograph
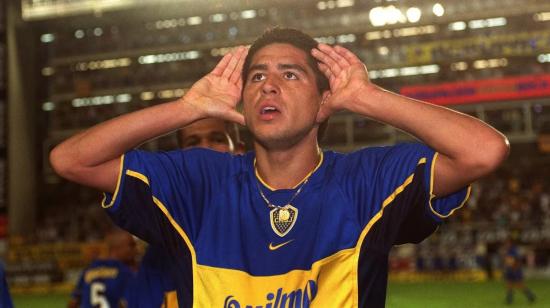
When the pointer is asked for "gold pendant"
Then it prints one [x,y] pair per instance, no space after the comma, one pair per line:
[283,219]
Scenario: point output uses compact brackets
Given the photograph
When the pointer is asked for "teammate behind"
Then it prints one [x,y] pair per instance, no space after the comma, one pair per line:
[103,282]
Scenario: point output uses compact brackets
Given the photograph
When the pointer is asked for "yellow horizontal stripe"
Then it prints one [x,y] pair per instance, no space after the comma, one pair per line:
[332,275]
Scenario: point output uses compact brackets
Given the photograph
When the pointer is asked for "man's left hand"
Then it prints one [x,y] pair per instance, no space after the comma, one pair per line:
[347,75]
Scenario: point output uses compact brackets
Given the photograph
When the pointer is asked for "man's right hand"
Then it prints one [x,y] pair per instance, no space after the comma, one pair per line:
[218,93]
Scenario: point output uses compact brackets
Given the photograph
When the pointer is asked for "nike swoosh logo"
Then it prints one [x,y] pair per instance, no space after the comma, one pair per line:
[275,247]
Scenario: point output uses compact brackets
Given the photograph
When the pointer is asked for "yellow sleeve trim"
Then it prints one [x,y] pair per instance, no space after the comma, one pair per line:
[432,196]
[173,222]
[295,186]
[376,217]
[185,239]
[164,210]
[106,206]
[138,175]
[388,200]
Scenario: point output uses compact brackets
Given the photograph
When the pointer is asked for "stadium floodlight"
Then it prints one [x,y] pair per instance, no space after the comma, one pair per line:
[542,16]
[345,3]
[47,38]
[394,15]
[179,92]
[390,72]
[98,31]
[48,71]
[321,5]
[248,14]
[79,33]
[147,96]
[376,35]
[459,66]
[404,71]
[383,50]
[438,10]
[414,14]
[194,20]
[326,39]
[543,58]
[345,38]
[93,101]
[487,23]
[496,22]
[377,16]
[48,106]
[490,63]
[457,26]
[411,31]
[219,17]
[166,94]
[123,98]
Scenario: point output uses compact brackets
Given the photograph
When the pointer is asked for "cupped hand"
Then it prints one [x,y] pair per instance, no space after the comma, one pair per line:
[347,75]
[218,93]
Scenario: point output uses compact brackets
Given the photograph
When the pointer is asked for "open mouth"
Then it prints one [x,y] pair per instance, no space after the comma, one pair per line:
[268,110]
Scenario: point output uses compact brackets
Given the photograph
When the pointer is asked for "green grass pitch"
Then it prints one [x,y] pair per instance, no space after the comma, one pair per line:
[400,295]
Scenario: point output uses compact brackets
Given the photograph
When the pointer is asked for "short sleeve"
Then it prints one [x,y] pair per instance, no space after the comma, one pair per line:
[165,190]
[395,194]
[411,165]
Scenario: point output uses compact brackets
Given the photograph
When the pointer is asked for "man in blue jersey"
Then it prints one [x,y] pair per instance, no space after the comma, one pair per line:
[153,286]
[286,225]
[103,282]
[513,273]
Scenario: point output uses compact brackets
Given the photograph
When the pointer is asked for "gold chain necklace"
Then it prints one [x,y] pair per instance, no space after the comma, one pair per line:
[284,217]
[271,205]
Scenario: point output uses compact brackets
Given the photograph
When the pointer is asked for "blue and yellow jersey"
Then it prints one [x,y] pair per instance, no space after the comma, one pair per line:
[328,248]
[102,284]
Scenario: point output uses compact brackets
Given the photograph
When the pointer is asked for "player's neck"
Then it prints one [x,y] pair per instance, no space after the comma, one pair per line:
[284,169]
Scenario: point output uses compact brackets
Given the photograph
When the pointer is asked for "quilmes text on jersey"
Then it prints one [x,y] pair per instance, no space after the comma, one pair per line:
[300,298]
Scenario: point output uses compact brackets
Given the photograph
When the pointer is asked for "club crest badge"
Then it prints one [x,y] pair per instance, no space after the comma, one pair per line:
[283,219]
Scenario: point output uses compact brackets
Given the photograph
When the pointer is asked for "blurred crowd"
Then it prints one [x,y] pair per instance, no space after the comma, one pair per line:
[511,204]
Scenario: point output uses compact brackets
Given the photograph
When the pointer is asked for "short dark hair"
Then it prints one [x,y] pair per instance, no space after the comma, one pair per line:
[299,40]
[231,129]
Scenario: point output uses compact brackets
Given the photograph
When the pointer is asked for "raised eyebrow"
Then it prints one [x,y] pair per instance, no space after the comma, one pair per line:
[294,67]
[258,67]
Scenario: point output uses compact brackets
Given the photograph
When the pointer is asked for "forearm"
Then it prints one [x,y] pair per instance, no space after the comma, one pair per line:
[107,141]
[451,133]
[465,144]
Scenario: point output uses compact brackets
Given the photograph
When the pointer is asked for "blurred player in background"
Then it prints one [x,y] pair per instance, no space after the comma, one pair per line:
[5,298]
[104,281]
[154,286]
[513,273]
